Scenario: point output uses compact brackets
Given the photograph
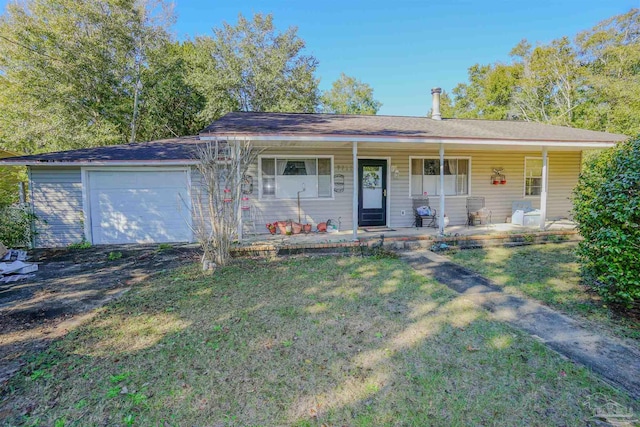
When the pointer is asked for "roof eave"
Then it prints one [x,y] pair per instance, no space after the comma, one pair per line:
[415,140]
[84,163]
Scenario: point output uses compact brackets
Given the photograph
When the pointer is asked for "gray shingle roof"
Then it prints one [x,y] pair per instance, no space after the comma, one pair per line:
[323,125]
[176,149]
[292,124]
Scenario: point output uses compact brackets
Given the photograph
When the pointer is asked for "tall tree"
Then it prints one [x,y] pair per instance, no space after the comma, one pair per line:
[488,92]
[71,72]
[592,82]
[349,95]
[611,54]
[548,90]
[253,67]
[169,105]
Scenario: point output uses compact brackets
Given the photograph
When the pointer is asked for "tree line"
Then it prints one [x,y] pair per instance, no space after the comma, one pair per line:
[590,81]
[81,74]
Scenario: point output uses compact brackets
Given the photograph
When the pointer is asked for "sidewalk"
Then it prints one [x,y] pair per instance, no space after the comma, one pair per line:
[617,362]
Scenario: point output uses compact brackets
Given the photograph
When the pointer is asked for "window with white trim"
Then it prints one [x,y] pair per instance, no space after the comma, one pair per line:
[284,177]
[532,176]
[425,176]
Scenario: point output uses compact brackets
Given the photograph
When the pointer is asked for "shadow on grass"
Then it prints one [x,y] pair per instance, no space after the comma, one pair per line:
[302,341]
[550,274]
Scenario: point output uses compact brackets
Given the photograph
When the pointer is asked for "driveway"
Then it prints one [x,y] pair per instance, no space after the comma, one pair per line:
[67,288]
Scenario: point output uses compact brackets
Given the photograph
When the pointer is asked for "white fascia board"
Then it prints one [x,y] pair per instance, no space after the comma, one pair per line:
[101,163]
[456,141]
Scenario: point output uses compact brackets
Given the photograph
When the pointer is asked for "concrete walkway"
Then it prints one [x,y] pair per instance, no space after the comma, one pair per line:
[616,361]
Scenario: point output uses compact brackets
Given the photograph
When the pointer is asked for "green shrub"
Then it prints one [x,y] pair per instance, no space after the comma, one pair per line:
[607,210]
[16,226]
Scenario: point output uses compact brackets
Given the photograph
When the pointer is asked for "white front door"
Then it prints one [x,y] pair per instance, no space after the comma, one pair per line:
[139,206]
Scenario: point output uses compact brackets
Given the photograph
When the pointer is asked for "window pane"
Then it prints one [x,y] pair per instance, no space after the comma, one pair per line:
[431,167]
[534,168]
[324,178]
[450,166]
[291,167]
[533,186]
[416,177]
[463,176]
[416,166]
[268,177]
[300,177]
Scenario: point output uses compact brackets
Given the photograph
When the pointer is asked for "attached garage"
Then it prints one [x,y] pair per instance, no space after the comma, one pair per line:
[138,206]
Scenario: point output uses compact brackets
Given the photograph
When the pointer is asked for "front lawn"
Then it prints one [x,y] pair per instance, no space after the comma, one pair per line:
[550,274]
[302,342]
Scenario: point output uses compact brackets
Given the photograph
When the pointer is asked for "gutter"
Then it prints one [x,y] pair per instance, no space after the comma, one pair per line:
[99,163]
[382,139]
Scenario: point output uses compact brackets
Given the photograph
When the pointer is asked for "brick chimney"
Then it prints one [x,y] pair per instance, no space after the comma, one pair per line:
[435,108]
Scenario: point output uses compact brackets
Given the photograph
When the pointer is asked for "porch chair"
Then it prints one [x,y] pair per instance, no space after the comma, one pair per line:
[477,212]
[422,213]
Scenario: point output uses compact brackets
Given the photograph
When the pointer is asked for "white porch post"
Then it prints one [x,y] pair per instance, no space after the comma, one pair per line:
[543,192]
[238,190]
[441,217]
[355,190]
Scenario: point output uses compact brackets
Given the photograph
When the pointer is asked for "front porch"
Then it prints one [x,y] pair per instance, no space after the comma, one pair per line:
[408,237]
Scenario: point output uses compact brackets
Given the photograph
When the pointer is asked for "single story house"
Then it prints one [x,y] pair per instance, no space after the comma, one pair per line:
[362,170]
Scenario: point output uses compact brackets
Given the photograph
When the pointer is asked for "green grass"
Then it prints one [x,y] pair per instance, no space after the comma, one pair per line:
[80,245]
[301,342]
[549,274]
[114,256]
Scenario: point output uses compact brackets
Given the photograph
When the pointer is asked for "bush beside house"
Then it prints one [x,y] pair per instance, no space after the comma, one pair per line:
[607,210]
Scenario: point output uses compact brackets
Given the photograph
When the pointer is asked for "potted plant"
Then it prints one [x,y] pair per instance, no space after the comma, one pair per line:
[282,226]
[272,227]
[296,227]
[306,228]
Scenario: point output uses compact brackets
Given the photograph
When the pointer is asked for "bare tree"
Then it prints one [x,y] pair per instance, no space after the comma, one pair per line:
[217,215]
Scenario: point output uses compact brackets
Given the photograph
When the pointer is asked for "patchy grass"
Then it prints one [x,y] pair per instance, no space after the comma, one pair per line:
[302,342]
[550,274]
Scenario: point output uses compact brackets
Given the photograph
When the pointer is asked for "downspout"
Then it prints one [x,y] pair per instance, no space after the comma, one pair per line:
[355,191]
[441,217]
[543,192]
[32,209]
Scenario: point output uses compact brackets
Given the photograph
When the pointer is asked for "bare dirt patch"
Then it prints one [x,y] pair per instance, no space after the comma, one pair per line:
[68,288]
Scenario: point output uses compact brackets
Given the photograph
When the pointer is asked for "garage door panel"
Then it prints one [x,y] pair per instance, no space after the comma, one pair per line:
[139,206]
[151,201]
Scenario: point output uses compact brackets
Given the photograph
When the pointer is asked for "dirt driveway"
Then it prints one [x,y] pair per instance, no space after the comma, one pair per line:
[69,285]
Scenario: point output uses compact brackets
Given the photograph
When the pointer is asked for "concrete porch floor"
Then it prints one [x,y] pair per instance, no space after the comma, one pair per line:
[453,232]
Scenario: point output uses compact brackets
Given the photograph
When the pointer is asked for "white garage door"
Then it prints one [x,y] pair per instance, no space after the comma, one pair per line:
[139,206]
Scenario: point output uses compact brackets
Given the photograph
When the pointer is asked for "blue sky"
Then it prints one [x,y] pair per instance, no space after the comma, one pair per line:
[404,48]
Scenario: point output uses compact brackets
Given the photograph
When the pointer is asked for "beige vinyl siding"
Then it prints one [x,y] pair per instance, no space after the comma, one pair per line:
[57,202]
[312,211]
[564,168]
